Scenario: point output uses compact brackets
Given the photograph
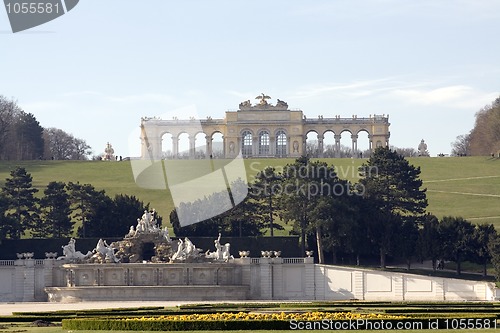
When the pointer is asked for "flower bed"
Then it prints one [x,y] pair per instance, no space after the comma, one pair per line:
[218,321]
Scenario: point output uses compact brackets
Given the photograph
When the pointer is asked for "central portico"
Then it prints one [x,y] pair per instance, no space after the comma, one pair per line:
[261,130]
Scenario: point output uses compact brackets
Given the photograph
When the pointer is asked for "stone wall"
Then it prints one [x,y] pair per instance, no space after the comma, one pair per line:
[26,280]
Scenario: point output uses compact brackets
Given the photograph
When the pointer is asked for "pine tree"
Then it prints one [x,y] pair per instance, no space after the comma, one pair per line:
[19,193]
[393,186]
[55,213]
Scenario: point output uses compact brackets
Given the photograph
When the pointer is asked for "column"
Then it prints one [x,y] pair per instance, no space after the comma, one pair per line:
[255,145]
[370,140]
[337,145]
[175,145]
[354,139]
[320,145]
[272,145]
[266,283]
[224,142]
[192,146]
[208,145]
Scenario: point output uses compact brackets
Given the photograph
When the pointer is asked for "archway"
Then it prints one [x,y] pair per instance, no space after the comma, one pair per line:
[329,144]
[246,143]
[312,149]
[217,145]
[281,144]
[200,146]
[363,144]
[345,144]
[167,149]
[183,145]
[264,143]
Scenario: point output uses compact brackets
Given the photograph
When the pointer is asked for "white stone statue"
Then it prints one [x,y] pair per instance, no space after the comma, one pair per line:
[131,232]
[103,250]
[166,235]
[179,254]
[221,253]
[70,252]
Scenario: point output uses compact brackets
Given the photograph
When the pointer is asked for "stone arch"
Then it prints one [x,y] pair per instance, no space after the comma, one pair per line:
[264,142]
[329,146]
[362,143]
[346,146]
[311,143]
[217,146]
[167,145]
[246,142]
[281,139]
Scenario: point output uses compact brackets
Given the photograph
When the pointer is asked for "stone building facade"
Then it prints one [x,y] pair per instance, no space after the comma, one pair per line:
[262,130]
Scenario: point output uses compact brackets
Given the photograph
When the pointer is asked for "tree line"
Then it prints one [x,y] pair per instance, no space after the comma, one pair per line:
[61,208]
[23,138]
[383,214]
[484,138]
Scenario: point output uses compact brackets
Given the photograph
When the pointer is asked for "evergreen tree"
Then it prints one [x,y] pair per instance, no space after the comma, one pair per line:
[429,238]
[19,193]
[456,239]
[393,186]
[265,190]
[6,222]
[84,201]
[29,137]
[55,219]
[483,233]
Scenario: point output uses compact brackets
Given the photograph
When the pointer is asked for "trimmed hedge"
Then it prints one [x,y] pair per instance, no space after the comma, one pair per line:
[168,325]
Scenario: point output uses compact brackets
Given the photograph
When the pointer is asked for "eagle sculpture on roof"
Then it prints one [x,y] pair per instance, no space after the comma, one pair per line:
[263,98]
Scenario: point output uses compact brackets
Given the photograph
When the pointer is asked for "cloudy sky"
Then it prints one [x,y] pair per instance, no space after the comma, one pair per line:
[94,72]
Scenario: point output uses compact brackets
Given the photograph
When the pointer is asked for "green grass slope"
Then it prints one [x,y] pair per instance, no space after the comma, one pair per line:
[458,186]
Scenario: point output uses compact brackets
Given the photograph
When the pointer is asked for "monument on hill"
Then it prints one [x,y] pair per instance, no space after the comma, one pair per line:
[422,149]
[261,129]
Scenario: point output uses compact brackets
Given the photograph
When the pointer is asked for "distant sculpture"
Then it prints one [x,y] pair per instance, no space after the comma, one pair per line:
[422,149]
[221,253]
[108,153]
[70,253]
[263,98]
[104,253]
[245,104]
[281,104]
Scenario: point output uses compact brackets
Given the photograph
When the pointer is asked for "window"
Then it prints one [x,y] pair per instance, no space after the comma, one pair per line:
[281,144]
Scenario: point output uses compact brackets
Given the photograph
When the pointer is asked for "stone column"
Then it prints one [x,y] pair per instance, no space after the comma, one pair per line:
[208,146]
[266,283]
[337,145]
[370,140]
[272,145]
[320,145]
[354,139]
[175,145]
[255,145]
[309,292]
[192,146]
[29,280]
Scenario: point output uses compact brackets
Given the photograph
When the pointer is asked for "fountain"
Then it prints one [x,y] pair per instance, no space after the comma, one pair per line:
[148,265]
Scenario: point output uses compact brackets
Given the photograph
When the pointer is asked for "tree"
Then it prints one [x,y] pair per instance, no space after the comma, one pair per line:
[494,249]
[29,137]
[306,186]
[6,221]
[55,213]
[8,111]
[456,239]
[429,238]
[265,190]
[63,146]
[19,193]
[393,186]
[483,233]
[84,198]
[484,139]
[461,146]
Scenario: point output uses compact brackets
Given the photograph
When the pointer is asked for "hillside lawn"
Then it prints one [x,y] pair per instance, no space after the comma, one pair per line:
[456,186]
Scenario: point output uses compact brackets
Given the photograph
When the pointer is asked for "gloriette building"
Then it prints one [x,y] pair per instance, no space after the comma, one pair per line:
[262,130]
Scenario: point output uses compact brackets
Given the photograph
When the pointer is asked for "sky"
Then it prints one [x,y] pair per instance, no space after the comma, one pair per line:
[95,71]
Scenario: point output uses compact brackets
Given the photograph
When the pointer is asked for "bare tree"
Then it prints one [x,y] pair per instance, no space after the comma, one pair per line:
[461,146]
[63,146]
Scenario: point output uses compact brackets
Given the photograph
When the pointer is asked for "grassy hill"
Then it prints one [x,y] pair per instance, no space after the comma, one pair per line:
[458,186]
